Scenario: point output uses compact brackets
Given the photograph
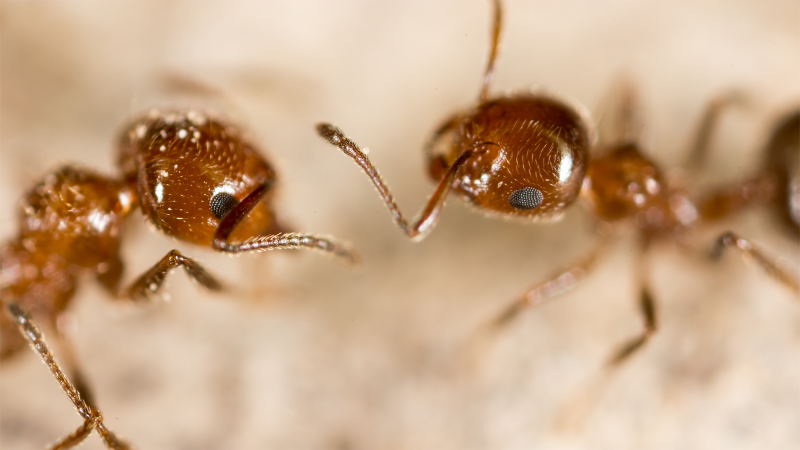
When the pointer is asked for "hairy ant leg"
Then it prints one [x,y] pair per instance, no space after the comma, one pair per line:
[648,311]
[424,223]
[559,282]
[93,419]
[574,412]
[748,250]
[151,281]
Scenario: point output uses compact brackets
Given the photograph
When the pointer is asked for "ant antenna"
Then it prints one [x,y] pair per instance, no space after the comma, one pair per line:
[279,241]
[498,26]
[424,223]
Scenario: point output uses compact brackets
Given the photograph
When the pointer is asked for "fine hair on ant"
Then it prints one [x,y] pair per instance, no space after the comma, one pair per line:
[527,155]
[195,178]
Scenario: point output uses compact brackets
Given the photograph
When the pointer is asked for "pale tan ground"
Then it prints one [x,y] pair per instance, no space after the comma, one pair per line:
[320,357]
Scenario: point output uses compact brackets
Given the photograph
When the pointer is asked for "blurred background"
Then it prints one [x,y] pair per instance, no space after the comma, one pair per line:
[309,354]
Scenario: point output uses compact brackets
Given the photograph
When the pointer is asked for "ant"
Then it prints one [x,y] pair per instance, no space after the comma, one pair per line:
[195,177]
[527,155]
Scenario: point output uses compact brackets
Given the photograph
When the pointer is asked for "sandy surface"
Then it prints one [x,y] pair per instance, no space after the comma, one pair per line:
[317,356]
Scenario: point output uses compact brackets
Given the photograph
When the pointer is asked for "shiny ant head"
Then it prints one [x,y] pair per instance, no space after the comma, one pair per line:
[528,156]
[192,170]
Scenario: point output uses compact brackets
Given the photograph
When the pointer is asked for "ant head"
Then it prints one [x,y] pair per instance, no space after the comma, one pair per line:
[192,170]
[528,158]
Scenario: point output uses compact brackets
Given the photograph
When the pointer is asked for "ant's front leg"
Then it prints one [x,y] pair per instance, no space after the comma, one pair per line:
[93,420]
[148,285]
[556,284]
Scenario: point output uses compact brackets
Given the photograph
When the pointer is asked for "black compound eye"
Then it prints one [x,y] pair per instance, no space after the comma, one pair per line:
[222,204]
[526,198]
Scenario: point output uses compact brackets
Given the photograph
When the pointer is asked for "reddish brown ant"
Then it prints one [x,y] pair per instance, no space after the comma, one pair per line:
[195,177]
[526,155]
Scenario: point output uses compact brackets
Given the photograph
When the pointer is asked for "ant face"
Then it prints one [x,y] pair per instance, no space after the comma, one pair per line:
[192,170]
[528,160]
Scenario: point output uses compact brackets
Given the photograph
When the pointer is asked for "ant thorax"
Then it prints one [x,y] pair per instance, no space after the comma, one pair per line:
[75,214]
[623,185]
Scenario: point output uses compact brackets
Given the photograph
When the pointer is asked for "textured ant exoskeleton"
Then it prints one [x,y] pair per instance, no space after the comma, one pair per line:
[526,155]
[195,177]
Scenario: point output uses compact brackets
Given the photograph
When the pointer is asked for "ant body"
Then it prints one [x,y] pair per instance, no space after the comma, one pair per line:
[195,177]
[777,183]
[527,155]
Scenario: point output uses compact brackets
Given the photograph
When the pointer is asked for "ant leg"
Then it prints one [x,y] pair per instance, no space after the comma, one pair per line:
[648,310]
[773,269]
[427,219]
[279,241]
[701,144]
[109,274]
[558,283]
[574,412]
[151,281]
[620,116]
[91,416]
[496,29]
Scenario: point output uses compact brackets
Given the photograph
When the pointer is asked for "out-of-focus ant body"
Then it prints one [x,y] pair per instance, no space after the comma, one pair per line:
[195,177]
[527,155]
[777,183]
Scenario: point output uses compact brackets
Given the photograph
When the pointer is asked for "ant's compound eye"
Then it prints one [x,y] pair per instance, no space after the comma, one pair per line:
[222,204]
[525,198]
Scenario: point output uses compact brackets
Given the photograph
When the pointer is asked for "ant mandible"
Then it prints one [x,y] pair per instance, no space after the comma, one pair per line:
[526,155]
[195,177]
